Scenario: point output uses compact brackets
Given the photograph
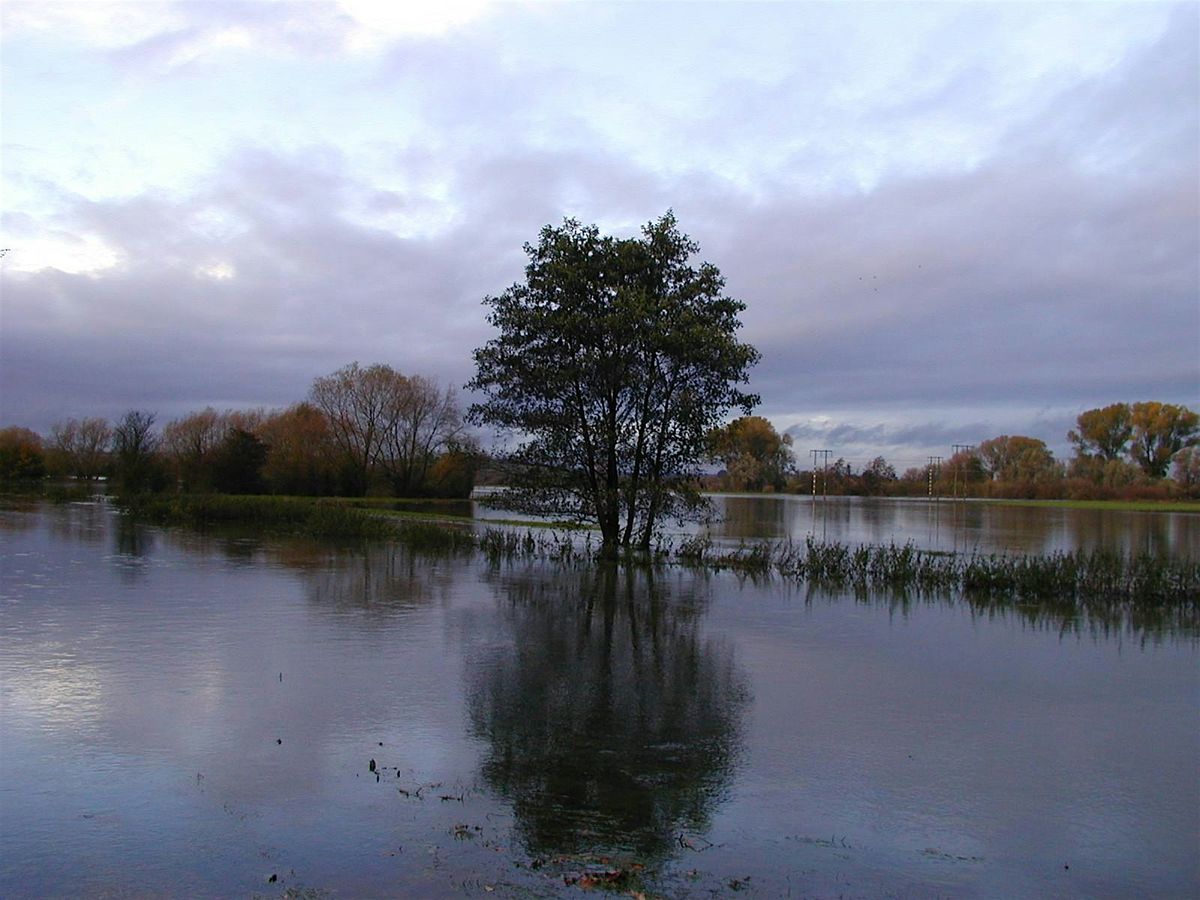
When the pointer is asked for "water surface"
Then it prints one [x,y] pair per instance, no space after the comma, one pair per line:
[185,714]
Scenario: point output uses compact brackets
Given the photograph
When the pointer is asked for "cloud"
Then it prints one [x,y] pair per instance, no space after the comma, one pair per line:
[928,247]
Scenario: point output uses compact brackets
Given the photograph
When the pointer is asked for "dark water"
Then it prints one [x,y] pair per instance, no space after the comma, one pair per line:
[963,526]
[188,715]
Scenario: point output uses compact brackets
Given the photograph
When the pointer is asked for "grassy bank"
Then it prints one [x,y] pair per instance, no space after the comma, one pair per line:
[1183,506]
[1086,578]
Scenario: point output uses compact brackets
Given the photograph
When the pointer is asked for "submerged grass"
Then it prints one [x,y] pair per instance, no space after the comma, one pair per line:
[1085,578]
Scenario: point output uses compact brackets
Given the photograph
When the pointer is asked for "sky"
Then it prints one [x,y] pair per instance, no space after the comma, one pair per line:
[947,221]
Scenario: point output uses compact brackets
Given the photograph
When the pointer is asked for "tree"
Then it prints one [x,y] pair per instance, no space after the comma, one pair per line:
[135,445]
[425,422]
[615,359]
[754,454]
[963,469]
[301,455]
[1017,458]
[1186,470]
[81,447]
[189,443]
[387,422]
[359,406]
[21,456]
[1102,433]
[1160,430]
[878,472]
[237,463]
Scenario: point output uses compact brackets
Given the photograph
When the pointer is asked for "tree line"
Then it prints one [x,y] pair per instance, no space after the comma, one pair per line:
[1123,450]
[614,365]
[360,430]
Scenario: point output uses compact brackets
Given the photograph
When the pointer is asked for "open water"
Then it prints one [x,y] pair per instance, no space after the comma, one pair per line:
[200,715]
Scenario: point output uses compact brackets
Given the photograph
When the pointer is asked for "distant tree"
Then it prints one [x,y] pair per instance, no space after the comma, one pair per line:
[963,469]
[1017,458]
[387,422]
[615,359]
[188,444]
[877,474]
[135,446]
[302,457]
[360,406]
[1103,433]
[426,421]
[1186,470]
[80,448]
[754,454]
[21,455]
[453,472]
[1111,473]
[1160,430]
[237,463]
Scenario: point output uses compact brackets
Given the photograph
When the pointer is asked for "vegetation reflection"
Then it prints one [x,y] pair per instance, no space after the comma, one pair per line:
[613,721]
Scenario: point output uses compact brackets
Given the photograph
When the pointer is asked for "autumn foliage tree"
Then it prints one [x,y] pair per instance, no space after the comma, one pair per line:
[1103,433]
[387,423]
[1017,458]
[302,457]
[22,457]
[754,454]
[1160,430]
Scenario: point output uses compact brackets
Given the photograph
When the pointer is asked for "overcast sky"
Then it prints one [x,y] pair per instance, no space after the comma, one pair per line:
[947,221]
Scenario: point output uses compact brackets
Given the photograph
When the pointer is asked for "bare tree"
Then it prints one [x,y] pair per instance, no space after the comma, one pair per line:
[81,445]
[387,422]
[426,421]
[135,445]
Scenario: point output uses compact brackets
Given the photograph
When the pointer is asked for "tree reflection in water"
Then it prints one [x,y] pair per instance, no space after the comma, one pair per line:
[613,721]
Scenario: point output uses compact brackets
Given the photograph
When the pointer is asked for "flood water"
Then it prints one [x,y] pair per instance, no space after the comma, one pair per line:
[948,525]
[193,715]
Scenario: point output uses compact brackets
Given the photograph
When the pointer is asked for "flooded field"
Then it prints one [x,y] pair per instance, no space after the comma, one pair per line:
[194,715]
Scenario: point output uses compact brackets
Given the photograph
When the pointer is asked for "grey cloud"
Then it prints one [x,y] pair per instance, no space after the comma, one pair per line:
[1057,274]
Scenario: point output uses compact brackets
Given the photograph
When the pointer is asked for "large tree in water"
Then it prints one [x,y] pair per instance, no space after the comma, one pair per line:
[615,358]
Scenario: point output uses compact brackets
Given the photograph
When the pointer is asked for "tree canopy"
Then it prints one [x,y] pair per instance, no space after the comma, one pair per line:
[1102,432]
[1160,430]
[754,454]
[615,358]
[1017,458]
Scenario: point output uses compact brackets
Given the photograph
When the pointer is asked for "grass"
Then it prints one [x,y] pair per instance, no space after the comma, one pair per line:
[1185,506]
[1085,577]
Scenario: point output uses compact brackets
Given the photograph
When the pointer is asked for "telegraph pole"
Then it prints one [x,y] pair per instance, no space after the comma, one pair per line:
[960,448]
[935,462]
[824,454]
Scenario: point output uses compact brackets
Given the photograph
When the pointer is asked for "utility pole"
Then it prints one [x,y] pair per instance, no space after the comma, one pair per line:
[824,454]
[960,448]
[935,462]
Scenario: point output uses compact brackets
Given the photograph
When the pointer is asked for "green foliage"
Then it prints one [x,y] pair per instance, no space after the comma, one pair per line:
[614,361]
